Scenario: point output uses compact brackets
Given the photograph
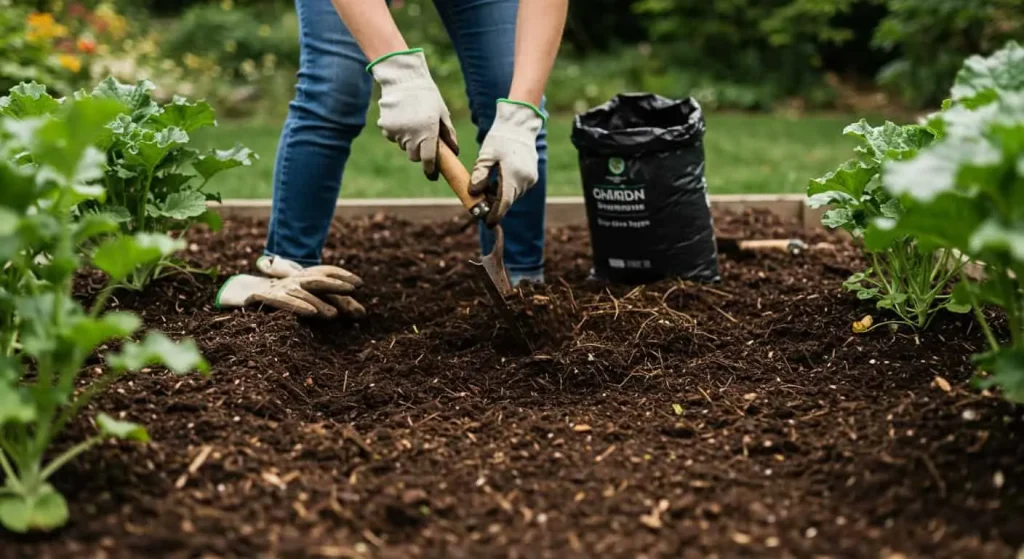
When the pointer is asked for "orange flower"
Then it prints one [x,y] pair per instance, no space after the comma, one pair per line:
[42,27]
[40,20]
[70,62]
[86,45]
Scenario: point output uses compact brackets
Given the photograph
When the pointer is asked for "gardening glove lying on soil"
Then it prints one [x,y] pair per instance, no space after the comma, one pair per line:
[318,291]
[511,145]
[412,112]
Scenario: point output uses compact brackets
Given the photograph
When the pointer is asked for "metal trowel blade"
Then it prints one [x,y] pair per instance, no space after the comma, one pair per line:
[497,283]
[494,265]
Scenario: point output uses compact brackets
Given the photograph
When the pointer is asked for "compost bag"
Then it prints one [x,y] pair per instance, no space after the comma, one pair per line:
[641,159]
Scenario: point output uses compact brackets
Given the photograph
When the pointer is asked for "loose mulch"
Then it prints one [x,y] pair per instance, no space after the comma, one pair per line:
[673,420]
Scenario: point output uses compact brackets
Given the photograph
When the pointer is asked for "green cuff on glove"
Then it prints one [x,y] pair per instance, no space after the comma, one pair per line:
[220,292]
[539,112]
[390,55]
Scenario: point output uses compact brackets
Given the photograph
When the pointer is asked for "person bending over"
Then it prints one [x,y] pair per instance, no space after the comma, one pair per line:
[506,49]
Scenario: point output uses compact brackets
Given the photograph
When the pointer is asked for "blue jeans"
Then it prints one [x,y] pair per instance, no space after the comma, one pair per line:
[329,111]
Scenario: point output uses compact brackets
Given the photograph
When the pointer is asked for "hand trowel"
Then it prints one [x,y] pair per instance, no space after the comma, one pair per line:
[493,264]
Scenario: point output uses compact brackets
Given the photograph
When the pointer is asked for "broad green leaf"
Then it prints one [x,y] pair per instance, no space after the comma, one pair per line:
[120,256]
[1006,369]
[880,234]
[154,146]
[19,189]
[178,160]
[183,205]
[119,214]
[946,222]
[170,183]
[59,143]
[889,141]
[90,168]
[36,313]
[90,332]
[181,113]
[994,237]
[44,510]
[124,130]
[1000,121]
[981,294]
[136,99]
[982,78]
[16,406]
[936,170]
[865,294]
[958,308]
[10,367]
[124,430]
[839,217]
[93,225]
[23,132]
[28,100]
[832,197]
[892,209]
[39,230]
[221,160]
[157,349]
[9,244]
[850,179]
[897,298]
[212,220]
[961,121]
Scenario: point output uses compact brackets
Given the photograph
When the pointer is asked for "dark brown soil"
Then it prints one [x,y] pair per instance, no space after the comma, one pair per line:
[673,420]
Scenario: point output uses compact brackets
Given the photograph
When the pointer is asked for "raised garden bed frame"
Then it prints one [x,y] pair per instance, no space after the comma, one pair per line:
[561,210]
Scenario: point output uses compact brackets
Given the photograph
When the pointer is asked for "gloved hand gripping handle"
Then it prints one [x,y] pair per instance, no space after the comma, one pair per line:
[457,177]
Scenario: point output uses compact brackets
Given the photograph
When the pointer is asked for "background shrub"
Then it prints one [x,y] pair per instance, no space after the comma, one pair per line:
[237,38]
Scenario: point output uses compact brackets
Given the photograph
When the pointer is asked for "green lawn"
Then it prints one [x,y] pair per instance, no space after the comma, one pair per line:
[745,154]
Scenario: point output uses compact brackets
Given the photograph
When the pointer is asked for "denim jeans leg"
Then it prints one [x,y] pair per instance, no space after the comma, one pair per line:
[325,116]
[483,32]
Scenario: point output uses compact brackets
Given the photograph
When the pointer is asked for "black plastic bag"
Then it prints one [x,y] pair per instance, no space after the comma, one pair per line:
[641,159]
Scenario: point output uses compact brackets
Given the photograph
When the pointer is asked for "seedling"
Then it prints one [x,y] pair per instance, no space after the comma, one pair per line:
[47,335]
[153,180]
[967,194]
[905,276]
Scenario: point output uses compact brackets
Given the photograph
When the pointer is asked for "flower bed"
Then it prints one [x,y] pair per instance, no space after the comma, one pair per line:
[671,420]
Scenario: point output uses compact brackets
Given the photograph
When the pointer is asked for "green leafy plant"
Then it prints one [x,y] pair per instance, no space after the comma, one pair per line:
[236,37]
[48,336]
[967,194]
[154,181]
[906,277]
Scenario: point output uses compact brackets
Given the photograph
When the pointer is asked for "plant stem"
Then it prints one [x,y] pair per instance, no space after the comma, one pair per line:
[12,479]
[12,340]
[881,274]
[101,300]
[95,388]
[142,202]
[66,457]
[980,317]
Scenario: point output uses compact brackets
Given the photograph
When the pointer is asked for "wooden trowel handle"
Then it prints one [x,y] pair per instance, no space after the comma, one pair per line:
[457,177]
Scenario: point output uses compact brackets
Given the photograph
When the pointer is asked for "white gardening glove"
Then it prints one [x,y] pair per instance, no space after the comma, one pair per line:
[320,291]
[511,144]
[412,112]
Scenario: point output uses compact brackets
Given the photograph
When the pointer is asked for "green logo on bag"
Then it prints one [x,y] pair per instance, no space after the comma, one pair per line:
[616,165]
